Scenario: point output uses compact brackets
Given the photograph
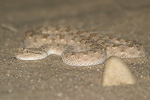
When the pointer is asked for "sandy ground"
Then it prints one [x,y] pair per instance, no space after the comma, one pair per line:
[50,78]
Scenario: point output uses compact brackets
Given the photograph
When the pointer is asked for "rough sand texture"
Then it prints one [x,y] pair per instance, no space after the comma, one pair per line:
[50,78]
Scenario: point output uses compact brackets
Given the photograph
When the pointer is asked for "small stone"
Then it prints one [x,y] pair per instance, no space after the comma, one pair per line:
[117,73]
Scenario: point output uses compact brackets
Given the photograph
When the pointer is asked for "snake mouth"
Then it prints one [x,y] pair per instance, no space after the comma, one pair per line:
[31,57]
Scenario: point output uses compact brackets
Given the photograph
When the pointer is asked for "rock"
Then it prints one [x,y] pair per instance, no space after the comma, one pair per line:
[117,73]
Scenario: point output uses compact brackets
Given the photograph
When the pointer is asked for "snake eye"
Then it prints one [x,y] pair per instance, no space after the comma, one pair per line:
[26,51]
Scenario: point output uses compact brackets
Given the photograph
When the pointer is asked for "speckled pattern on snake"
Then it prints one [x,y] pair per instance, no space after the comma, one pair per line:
[76,47]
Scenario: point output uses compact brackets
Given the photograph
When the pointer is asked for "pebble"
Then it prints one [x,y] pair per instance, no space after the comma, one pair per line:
[117,73]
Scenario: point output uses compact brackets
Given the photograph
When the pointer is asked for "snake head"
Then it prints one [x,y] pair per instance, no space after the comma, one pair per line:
[30,54]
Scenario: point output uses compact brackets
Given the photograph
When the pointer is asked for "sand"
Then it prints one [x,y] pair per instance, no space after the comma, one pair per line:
[50,78]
